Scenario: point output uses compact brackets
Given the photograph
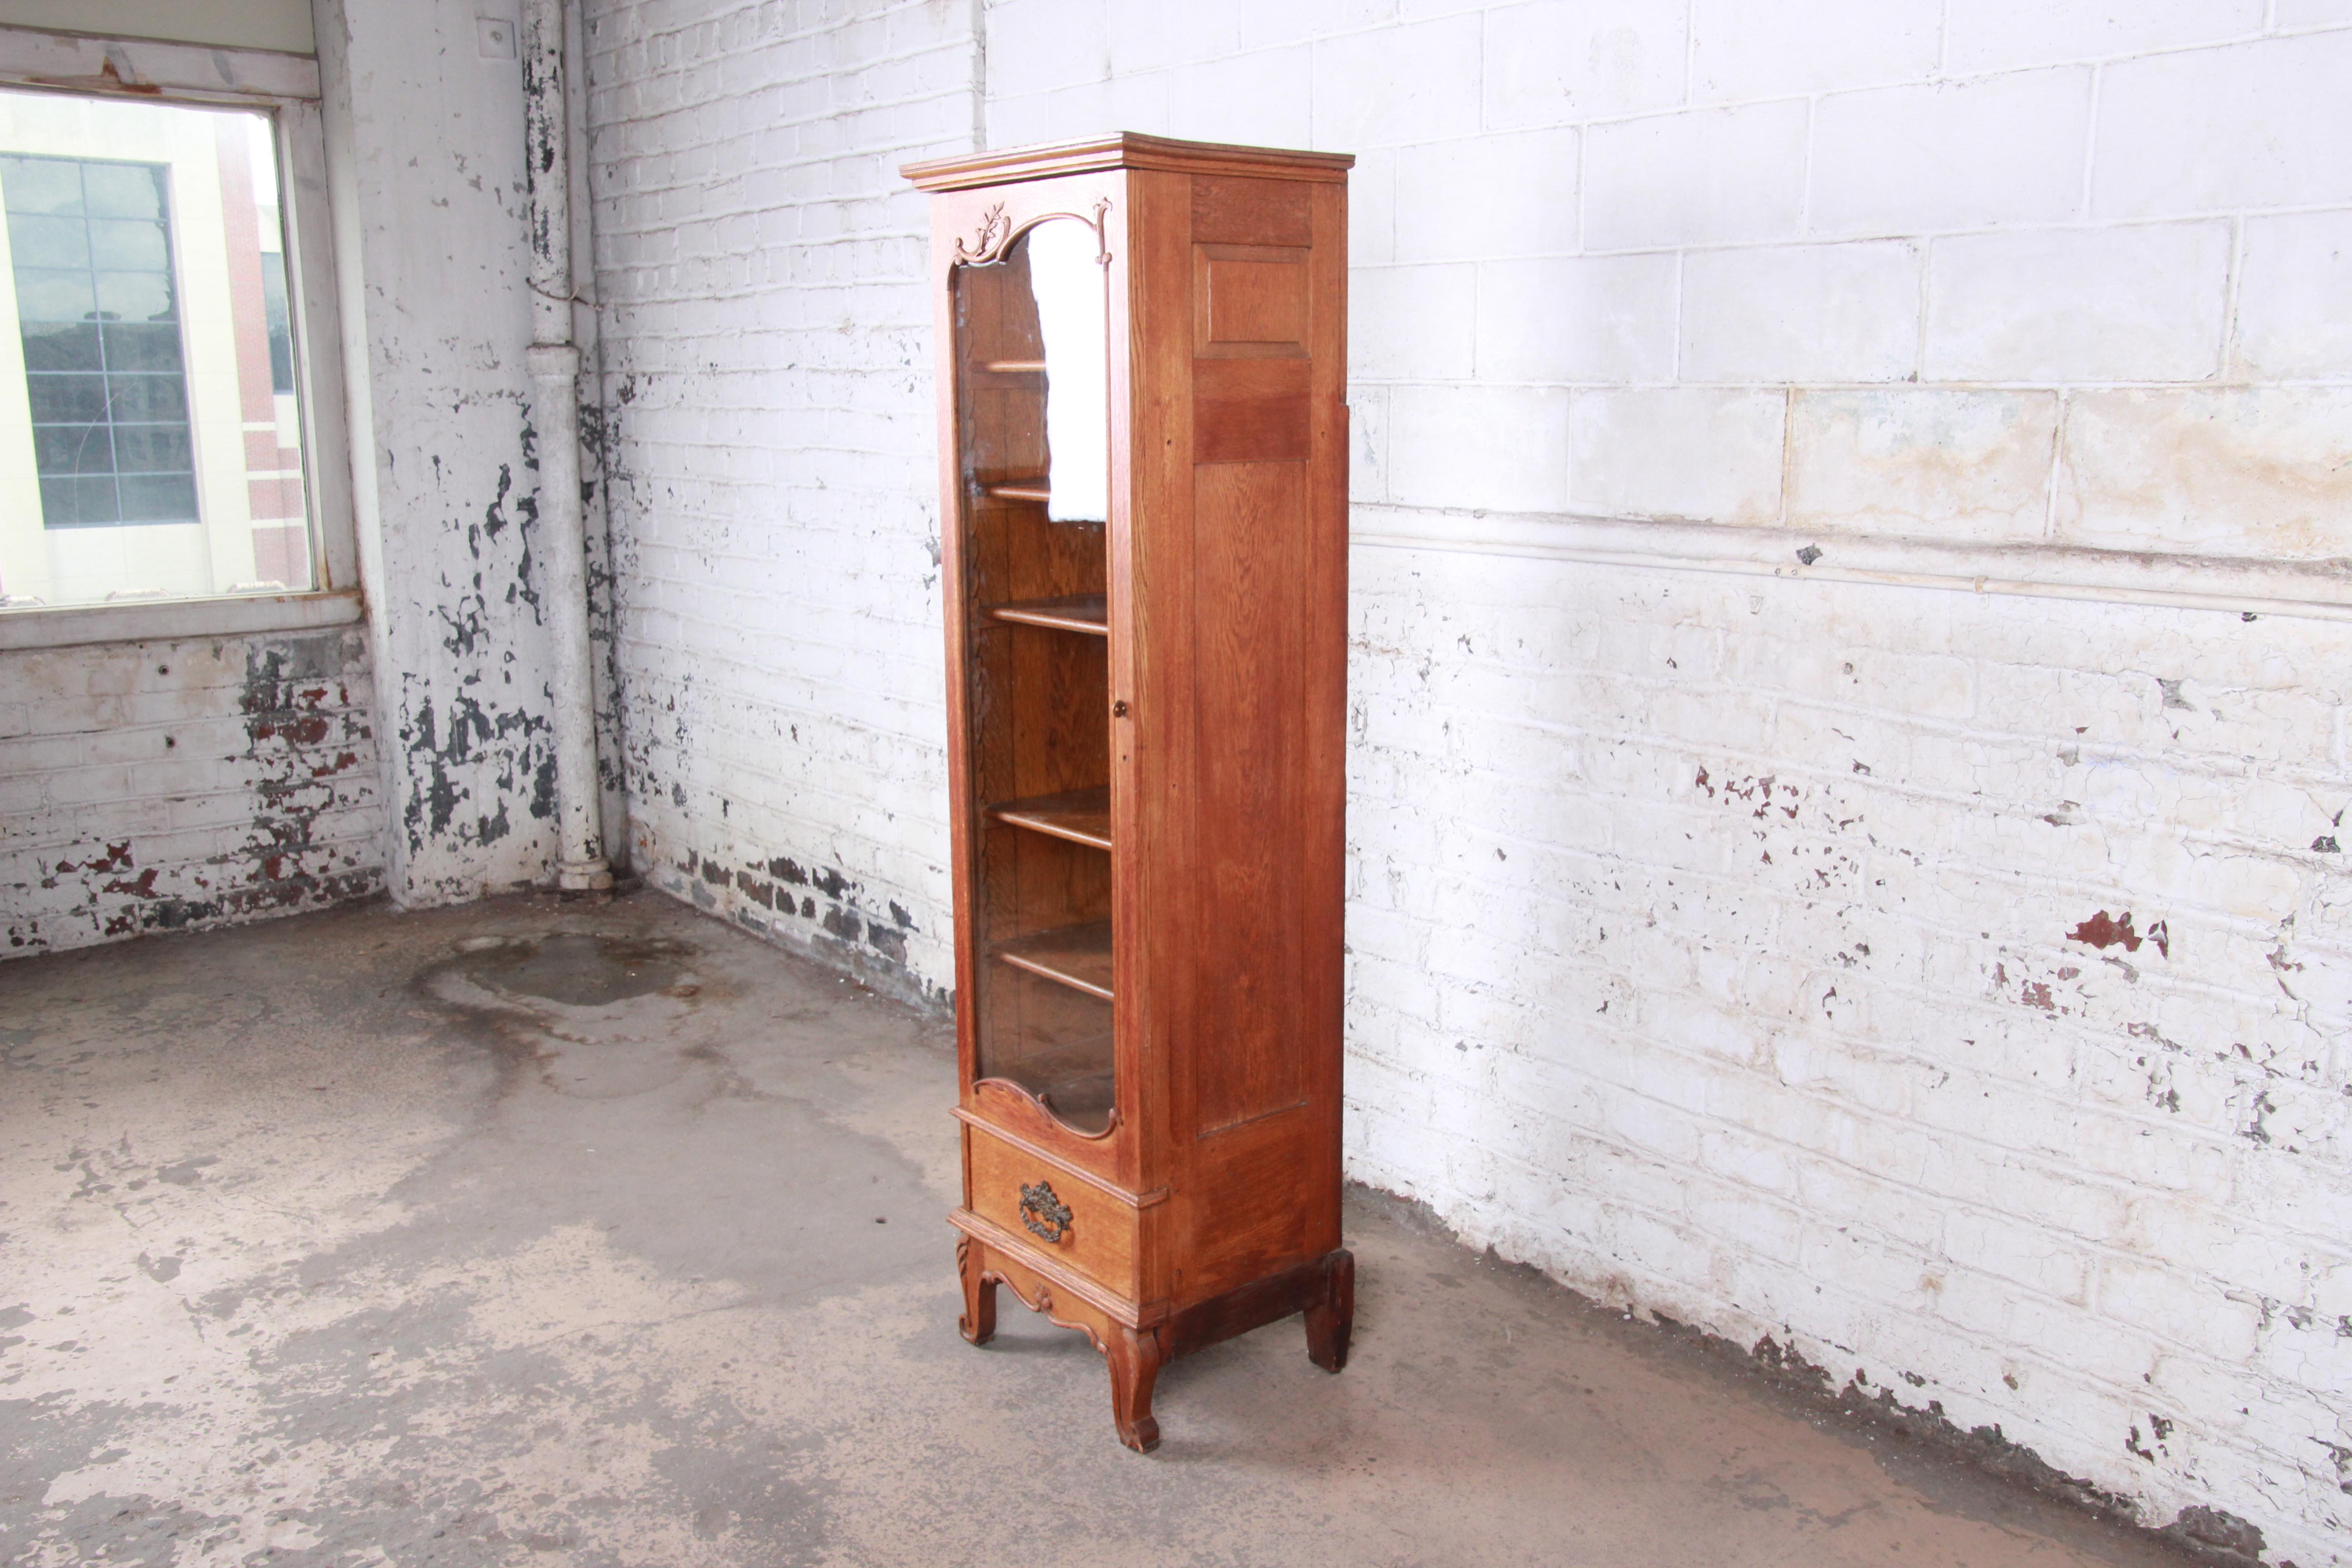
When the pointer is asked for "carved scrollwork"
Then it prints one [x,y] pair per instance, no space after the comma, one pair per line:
[988,245]
[995,235]
[1102,232]
[1043,1305]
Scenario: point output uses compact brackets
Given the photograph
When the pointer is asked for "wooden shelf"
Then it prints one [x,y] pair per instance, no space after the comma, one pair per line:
[1076,956]
[1088,613]
[1080,816]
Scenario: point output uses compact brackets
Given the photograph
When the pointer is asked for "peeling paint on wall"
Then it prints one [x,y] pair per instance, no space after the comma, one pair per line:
[771,482]
[460,649]
[171,785]
[820,911]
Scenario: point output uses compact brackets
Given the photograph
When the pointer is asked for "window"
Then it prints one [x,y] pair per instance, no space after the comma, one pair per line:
[151,437]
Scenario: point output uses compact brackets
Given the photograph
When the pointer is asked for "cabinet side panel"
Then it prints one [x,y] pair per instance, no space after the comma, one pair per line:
[1250,623]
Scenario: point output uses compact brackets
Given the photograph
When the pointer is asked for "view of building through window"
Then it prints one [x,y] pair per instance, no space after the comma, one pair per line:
[150,440]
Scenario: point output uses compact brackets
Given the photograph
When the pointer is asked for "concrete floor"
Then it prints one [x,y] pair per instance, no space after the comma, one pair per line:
[535,1232]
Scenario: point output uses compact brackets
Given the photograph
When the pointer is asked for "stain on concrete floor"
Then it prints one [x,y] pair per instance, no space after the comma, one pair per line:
[531,1232]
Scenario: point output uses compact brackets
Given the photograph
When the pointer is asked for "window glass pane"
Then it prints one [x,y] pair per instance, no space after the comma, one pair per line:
[144,399]
[281,331]
[152,449]
[41,185]
[45,296]
[122,190]
[59,345]
[68,399]
[120,243]
[158,499]
[134,297]
[49,241]
[73,449]
[145,268]
[76,503]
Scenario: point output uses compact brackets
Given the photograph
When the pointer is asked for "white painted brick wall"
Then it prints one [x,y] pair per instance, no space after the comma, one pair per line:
[1734,978]
[459,645]
[1802,1047]
[765,273]
[151,786]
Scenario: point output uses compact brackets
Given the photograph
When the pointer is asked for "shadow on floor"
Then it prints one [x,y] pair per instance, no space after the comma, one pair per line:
[529,1232]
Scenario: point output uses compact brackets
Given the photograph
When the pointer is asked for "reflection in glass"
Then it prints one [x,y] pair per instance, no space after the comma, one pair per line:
[1067,278]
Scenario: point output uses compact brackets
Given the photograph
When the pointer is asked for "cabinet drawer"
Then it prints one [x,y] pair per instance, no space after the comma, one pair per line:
[1063,1216]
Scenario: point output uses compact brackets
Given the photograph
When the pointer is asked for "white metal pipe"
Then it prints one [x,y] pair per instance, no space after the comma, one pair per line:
[554,361]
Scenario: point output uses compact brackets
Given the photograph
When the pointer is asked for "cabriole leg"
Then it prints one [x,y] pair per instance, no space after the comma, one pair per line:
[1134,1355]
[1332,1315]
[978,1321]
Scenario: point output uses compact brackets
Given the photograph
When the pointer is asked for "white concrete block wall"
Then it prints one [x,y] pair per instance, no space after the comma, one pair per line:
[156,786]
[2062,197]
[763,271]
[1765,967]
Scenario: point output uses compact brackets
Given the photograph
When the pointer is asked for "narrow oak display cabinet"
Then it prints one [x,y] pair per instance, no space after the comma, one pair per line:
[1143,457]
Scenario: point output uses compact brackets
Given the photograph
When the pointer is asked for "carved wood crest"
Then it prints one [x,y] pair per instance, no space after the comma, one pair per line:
[989,243]
[995,235]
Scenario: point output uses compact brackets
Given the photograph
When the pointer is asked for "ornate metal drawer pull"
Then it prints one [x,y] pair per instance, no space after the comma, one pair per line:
[1044,1215]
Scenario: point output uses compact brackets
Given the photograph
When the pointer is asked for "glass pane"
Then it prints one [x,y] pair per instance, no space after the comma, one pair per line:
[78,503]
[142,347]
[146,399]
[152,449]
[41,185]
[281,329]
[1032,349]
[44,296]
[134,297]
[126,220]
[122,190]
[72,449]
[120,243]
[61,346]
[158,499]
[67,399]
[49,241]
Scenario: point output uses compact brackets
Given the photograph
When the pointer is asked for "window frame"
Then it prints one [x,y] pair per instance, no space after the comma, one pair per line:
[287,87]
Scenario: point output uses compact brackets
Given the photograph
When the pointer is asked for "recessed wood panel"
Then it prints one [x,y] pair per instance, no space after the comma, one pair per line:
[1253,212]
[1251,410]
[1241,1217]
[1250,621]
[1250,301]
